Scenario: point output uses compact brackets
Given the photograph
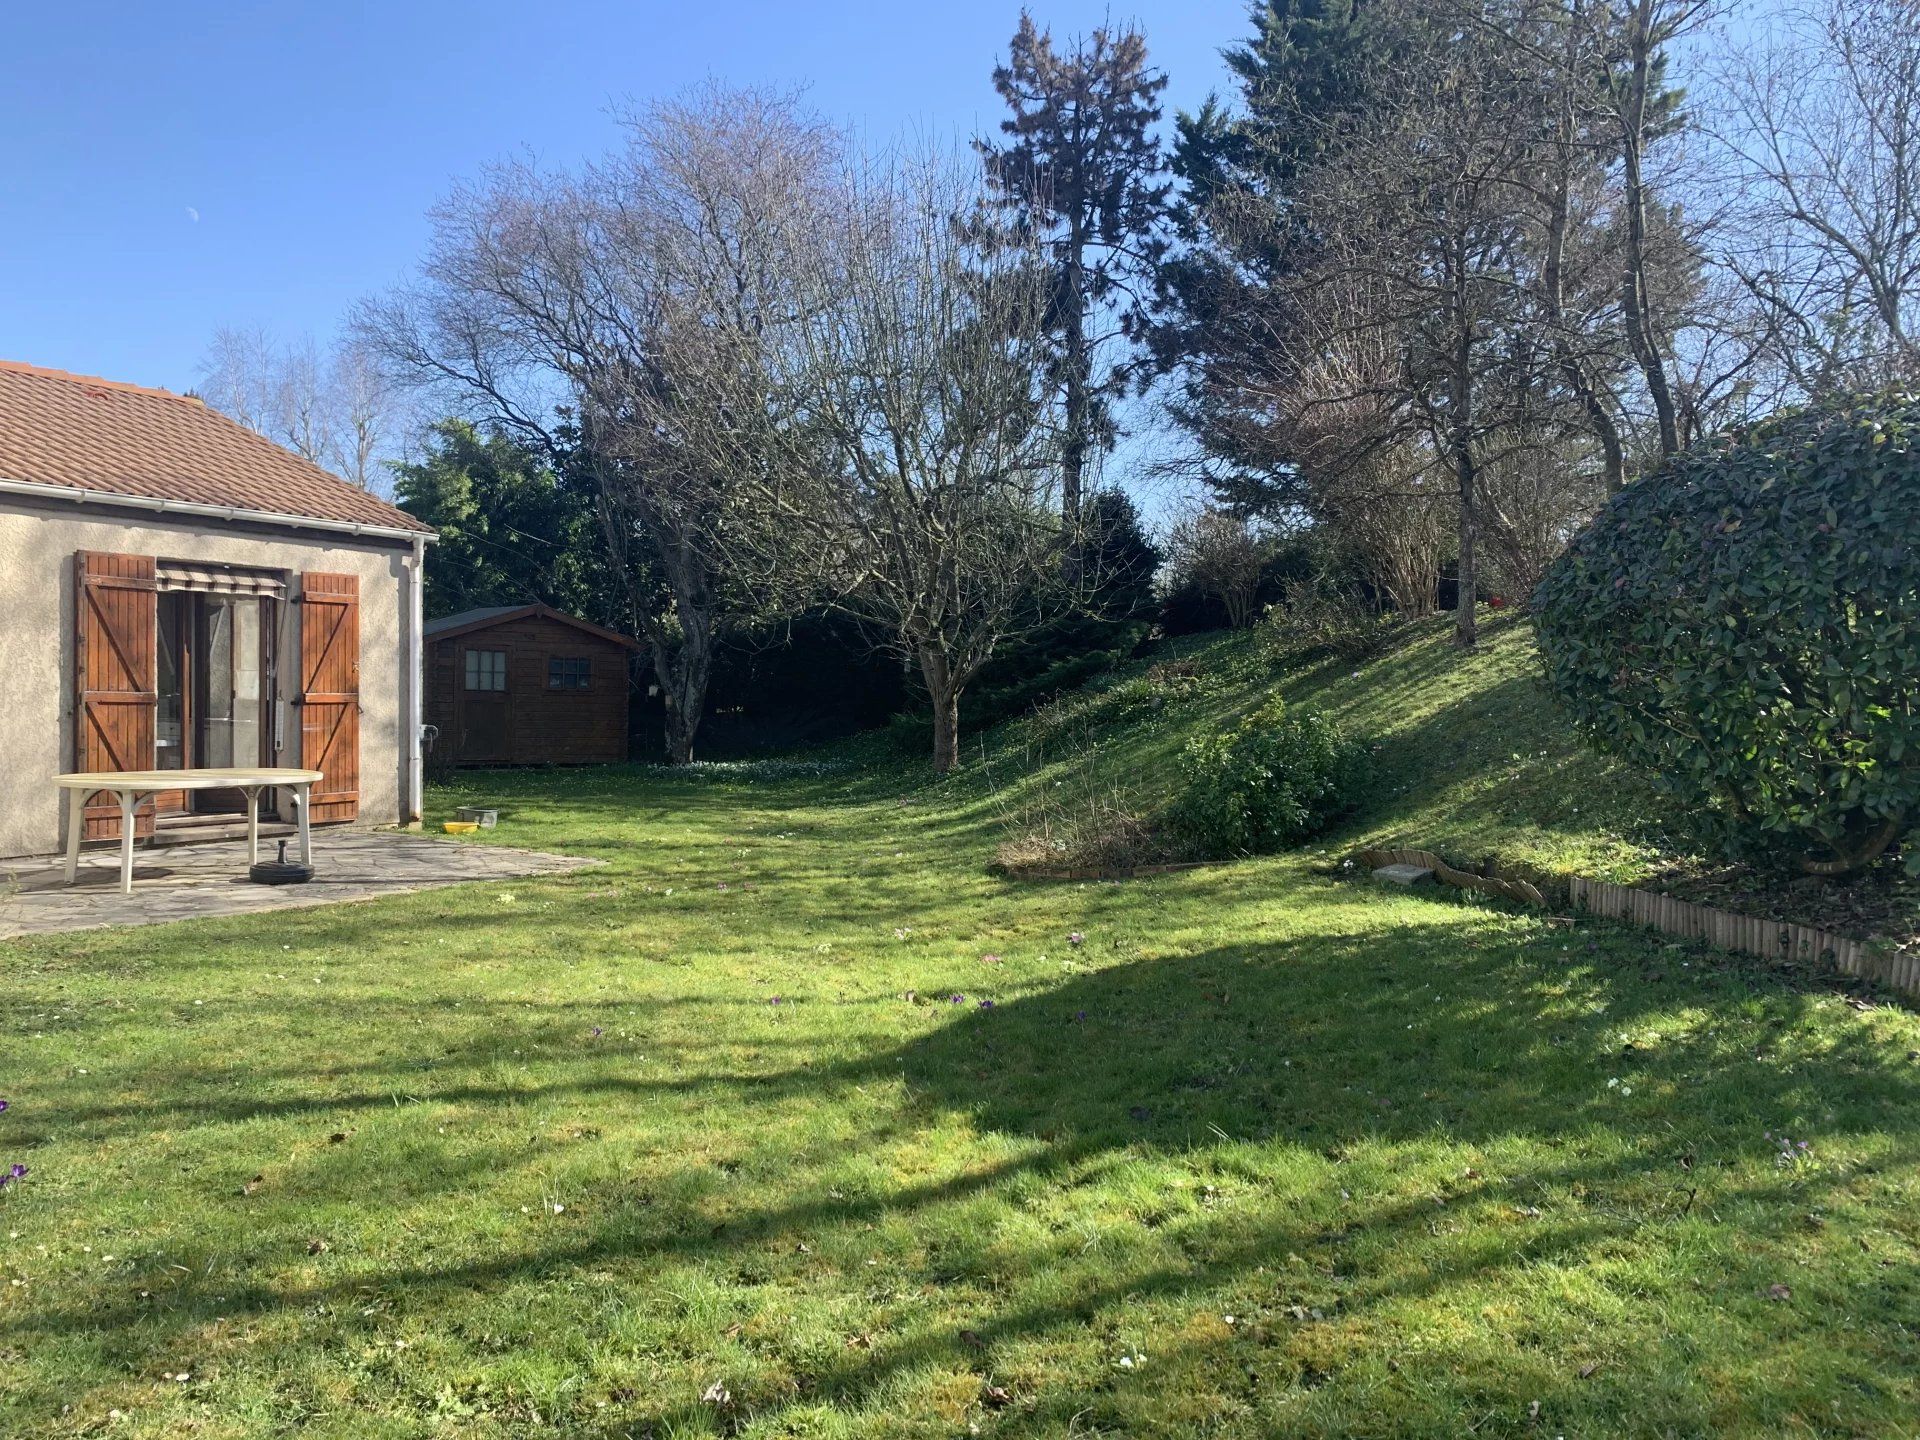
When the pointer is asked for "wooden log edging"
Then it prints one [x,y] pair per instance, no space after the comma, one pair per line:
[1755,935]
[1749,934]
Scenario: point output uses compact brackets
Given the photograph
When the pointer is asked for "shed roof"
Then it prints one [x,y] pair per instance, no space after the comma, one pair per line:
[108,438]
[485,616]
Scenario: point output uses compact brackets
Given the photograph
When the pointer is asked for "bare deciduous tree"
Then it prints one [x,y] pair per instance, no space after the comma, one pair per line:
[1223,555]
[1645,30]
[367,415]
[616,319]
[1427,225]
[918,485]
[239,376]
[1822,124]
[331,407]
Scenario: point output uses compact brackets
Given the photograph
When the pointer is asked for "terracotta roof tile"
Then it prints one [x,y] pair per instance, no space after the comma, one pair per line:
[108,437]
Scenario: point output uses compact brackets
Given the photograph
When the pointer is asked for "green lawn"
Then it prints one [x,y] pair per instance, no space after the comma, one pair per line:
[1264,1154]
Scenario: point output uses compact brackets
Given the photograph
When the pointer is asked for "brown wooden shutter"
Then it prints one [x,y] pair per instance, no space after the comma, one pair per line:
[115,606]
[330,691]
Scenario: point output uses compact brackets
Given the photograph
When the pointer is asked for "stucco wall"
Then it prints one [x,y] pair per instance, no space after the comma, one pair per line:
[37,545]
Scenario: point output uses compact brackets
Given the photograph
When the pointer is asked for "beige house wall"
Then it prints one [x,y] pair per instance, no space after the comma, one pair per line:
[37,625]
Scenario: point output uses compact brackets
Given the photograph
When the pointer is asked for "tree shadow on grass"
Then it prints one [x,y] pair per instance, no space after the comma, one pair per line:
[1296,1078]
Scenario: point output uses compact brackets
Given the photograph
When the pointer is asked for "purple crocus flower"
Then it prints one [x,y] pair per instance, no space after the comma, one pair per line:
[958,1000]
[986,1004]
[597,1032]
[4,1104]
[1076,938]
[14,1172]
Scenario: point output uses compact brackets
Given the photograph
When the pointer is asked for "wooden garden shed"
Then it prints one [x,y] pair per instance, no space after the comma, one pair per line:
[526,685]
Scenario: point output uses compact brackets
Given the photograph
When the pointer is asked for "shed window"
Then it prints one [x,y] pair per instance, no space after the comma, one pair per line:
[486,669]
[569,672]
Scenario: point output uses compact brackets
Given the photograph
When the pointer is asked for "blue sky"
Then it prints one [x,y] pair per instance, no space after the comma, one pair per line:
[169,169]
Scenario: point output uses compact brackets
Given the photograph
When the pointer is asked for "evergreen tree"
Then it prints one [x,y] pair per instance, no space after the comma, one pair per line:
[1121,560]
[1080,169]
[1307,77]
[512,532]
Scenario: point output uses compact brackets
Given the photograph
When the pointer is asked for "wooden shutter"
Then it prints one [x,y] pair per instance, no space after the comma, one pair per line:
[330,691]
[115,604]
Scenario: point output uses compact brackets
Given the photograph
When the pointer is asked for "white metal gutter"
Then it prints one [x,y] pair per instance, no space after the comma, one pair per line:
[237,513]
[416,679]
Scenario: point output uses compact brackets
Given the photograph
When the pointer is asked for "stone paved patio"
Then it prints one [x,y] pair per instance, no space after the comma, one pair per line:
[189,882]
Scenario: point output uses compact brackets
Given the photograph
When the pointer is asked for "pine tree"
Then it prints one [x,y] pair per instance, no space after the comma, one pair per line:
[1081,170]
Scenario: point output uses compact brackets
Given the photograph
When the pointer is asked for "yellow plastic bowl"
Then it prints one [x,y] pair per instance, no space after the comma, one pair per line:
[458,827]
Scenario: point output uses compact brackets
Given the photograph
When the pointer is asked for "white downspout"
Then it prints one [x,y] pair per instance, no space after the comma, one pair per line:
[416,680]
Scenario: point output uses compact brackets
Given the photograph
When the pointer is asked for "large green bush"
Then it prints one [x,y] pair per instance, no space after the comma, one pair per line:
[1746,625]
[1279,777]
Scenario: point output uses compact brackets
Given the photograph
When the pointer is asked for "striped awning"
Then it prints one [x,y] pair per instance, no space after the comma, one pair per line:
[218,579]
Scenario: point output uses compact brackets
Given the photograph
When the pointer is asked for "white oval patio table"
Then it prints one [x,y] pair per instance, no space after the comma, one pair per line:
[127,786]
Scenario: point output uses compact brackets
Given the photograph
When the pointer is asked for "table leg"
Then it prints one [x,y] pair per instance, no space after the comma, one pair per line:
[76,821]
[127,802]
[253,824]
[301,794]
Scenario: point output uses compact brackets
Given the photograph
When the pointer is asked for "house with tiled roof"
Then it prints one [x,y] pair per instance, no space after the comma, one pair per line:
[178,592]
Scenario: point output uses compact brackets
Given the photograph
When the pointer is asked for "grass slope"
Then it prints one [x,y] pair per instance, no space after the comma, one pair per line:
[1472,758]
[723,1140]
[1469,756]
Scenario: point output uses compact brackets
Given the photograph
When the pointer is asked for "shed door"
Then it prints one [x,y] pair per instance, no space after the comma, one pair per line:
[330,691]
[115,601]
[486,711]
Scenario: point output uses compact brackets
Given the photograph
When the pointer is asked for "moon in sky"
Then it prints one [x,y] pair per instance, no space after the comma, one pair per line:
[193,215]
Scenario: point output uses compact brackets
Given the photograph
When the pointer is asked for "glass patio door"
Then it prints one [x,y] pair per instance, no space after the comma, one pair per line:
[213,661]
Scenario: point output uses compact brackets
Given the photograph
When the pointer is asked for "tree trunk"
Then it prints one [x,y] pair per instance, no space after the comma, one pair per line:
[1460,442]
[1079,381]
[1849,858]
[1466,632]
[1635,302]
[683,669]
[1605,428]
[683,656]
[680,732]
[938,674]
